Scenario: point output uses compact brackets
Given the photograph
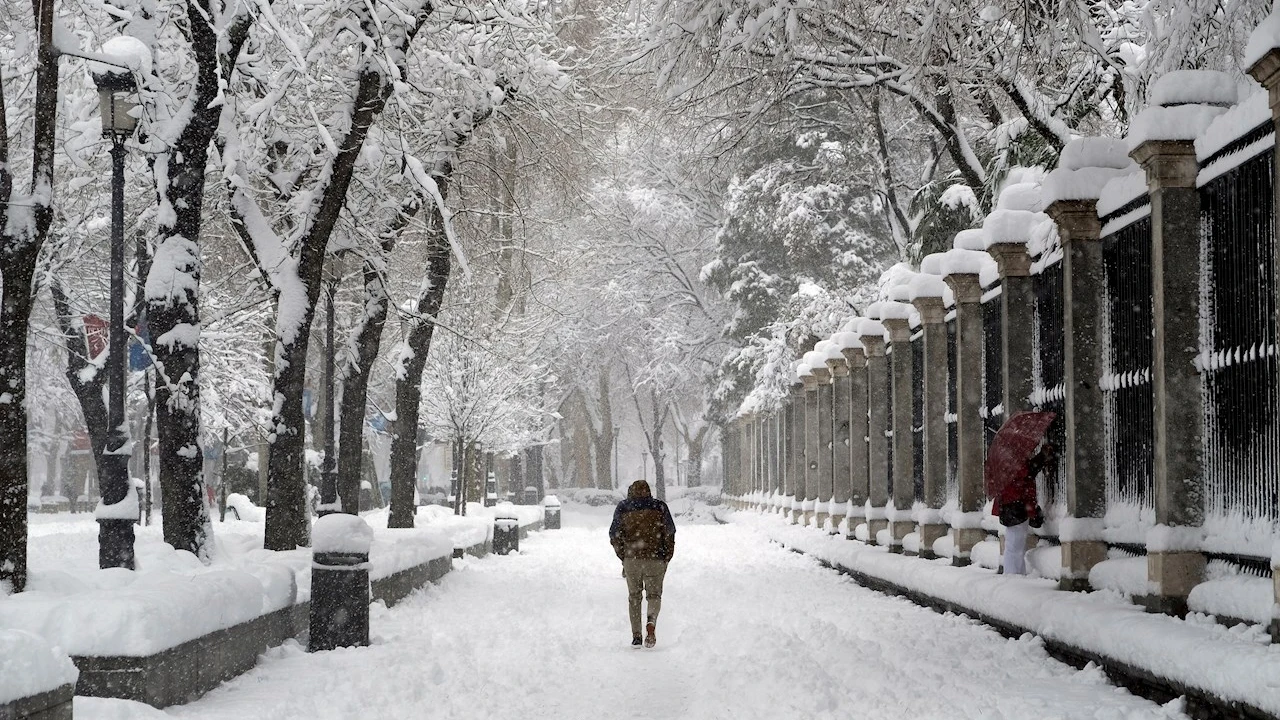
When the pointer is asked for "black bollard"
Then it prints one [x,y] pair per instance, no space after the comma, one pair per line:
[340,582]
[551,513]
[506,535]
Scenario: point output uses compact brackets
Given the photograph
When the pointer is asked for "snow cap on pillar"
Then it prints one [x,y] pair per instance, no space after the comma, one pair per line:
[1017,215]
[1085,166]
[1183,104]
[929,283]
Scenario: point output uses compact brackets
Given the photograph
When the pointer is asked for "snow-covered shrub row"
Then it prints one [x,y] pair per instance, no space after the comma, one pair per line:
[590,496]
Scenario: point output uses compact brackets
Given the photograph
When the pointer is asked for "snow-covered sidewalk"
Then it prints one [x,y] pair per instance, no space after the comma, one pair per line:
[1236,664]
[748,630]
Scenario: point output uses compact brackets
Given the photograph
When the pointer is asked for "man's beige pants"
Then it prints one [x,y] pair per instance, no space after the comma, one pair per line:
[643,575]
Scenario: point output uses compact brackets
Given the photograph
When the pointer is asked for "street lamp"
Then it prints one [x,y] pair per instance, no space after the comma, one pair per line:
[644,465]
[117,92]
[329,502]
[615,455]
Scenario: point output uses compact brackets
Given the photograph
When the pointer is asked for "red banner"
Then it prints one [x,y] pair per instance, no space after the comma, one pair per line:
[96,334]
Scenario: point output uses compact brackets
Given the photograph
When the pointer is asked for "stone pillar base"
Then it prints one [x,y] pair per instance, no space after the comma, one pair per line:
[873,529]
[854,522]
[796,517]
[820,519]
[965,539]
[1275,610]
[835,524]
[1078,557]
[929,534]
[1172,575]
[897,531]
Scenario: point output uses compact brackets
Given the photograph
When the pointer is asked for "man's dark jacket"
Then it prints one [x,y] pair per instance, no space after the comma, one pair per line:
[642,526]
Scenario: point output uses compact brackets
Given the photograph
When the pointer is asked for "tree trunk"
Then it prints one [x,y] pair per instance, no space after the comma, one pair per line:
[19,249]
[603,440]
[404,442]
[696,444]
[173,301]
[86,387]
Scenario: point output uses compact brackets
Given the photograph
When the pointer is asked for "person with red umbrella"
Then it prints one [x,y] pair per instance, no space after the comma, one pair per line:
[1013,462]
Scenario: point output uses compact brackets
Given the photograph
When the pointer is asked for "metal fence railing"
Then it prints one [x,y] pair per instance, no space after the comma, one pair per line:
[953,438]
[1238,353]
[917,414]
[1048,391]
[1128,403]
[992,411]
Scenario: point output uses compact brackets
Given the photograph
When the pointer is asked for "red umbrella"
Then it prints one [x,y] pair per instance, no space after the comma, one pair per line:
[1012,447]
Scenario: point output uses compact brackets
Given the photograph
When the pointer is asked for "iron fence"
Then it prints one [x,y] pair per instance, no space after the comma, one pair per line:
[1048,390]
[953,437]
[1128,401]
[917,414]
[1238,354]
[992,367]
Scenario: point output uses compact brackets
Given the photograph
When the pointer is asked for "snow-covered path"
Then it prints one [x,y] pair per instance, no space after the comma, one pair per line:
[748,630]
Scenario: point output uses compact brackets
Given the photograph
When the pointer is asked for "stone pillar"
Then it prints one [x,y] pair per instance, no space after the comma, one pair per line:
[933,325]
[775,457]
[858,434]
[1267,72]
[840,443]
[1171,169]
[811,382]
[1017,316]
[822,495]
[967,531]
[900,522]
[744,455]
[795,449]
[877,426]
[1082,283]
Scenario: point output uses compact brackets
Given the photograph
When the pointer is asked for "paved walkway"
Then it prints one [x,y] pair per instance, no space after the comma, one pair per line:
[748,630]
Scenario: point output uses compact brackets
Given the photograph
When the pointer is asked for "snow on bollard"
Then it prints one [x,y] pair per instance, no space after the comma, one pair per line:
[551,513]
[506,533]
[339,582]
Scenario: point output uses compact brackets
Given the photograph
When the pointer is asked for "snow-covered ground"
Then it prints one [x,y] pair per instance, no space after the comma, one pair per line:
[748,630]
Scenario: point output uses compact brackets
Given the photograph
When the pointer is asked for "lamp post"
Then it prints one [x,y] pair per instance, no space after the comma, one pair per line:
[644,465]
[615,455]
[117,97]
[329,469]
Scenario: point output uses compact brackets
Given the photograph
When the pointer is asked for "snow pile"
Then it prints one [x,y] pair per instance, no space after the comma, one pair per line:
[1181,122]
[1121,191]
[30,666]
[870,328]
[1085,166]
[341,533]
[1253,112]
[1020,196]
[1011,227]
[1122,573]
[126,509]
[1194,87]
[973,239]
[1228,592]
[962,261]
[122,55]
[847,341]
[931,285]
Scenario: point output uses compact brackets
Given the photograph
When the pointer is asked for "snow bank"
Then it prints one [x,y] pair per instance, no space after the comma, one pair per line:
[29,665]
[1230,593]
[1124,574]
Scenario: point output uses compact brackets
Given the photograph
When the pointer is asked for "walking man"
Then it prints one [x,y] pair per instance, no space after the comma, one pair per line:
[643,536]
